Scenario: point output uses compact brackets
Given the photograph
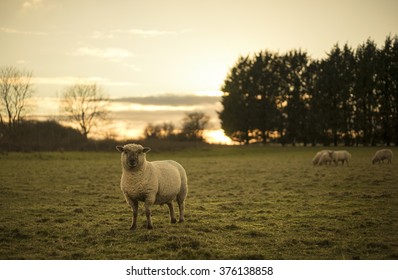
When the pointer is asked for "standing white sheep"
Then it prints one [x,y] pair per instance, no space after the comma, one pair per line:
[342,156]
[156,182]
[381,155]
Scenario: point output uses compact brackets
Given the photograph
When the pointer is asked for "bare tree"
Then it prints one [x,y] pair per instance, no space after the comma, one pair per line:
[84,104]
[193,126]
[15,90]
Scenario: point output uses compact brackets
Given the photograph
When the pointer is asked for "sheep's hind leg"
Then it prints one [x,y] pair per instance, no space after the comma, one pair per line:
[181,207]
[148,205]
[172,213]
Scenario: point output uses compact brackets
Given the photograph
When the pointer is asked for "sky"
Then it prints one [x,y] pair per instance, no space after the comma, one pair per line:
[154,58]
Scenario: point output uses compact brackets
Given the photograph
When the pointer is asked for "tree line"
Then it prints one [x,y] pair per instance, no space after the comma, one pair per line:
[83,104]
[193,126]
[350,97]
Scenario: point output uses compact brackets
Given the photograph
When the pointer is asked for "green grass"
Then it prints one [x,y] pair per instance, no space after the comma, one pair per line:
[243,203]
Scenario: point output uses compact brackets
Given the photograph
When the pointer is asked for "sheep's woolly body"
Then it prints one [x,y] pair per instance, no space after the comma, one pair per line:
[156,182]
[342,156]
[381,155]
[164,179]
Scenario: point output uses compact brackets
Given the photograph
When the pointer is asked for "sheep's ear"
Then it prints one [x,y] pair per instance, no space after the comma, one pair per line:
[120,149]
[146,149]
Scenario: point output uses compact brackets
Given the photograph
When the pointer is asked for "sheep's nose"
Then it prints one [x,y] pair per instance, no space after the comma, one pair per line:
[132,163]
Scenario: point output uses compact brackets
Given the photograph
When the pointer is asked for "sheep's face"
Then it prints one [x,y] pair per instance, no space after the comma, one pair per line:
[133,155]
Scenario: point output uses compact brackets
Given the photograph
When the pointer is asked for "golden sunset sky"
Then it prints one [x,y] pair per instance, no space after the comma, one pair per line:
[159,59]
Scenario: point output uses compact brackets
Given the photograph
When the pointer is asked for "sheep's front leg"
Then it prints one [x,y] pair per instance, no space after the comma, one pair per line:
[172,213]
[134,206]
[148,204]
[135,214]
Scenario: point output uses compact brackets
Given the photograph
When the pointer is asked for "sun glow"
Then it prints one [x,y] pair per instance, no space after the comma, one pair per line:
[120,106]
[217,137]
[209,92]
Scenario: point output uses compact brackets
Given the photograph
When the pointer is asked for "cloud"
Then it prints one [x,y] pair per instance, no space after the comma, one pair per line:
[69,80]
[149,33]
[146,117]
[66,80]
[21,32]
[115,54]
[132,67]
[101,35]
[21,61]
[31,4]
[166,107]
[97,35]
[171,100]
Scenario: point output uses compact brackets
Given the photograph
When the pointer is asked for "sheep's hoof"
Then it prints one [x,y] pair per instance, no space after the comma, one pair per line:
[150,227]
[181,220]
[173,221]
[133,227]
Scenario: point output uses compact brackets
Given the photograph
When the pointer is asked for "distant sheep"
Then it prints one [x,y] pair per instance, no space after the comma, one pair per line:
[381,155]
[342,156]
[326,158]
[156,182]
[322,157]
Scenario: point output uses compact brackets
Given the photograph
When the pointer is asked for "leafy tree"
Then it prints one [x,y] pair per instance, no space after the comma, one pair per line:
[349,97]
[366,99]
[393,74]
[335,85]
[387,89]
[296,97]
[314,122]
[347,80]
[236,116]
[265,90]
[269,92]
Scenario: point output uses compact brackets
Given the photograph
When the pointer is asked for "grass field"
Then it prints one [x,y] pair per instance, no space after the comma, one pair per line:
[243,203]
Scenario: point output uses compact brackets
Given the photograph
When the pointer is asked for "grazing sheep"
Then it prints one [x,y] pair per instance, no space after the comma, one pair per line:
[381,155]
[322,157]
[326,158]
[342,156]
[156,182]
